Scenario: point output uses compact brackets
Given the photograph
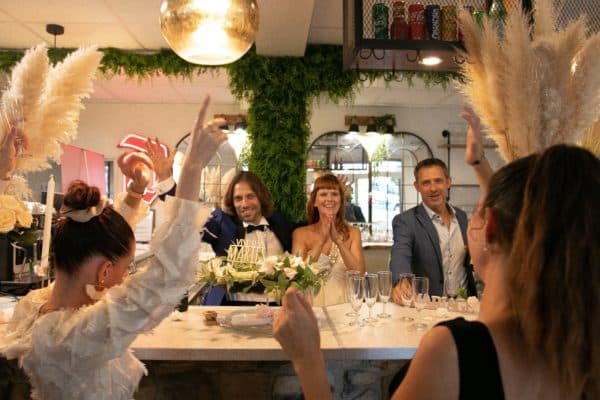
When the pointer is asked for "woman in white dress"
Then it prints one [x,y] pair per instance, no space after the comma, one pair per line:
[329,239]
[72,339]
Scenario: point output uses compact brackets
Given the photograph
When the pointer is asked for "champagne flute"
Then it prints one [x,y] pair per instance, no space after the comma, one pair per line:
[406,283]
[349,274]
[357,295]
[13,116]
[421,298]
[385,289]
[371,292]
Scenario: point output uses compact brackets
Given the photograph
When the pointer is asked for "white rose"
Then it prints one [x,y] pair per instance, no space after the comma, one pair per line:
[290,273]
[10,202]
[7,220]
[24,219]
[268,266]
[297,262]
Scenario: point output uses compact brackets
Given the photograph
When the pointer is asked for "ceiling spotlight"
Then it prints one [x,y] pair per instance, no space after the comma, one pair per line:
[209,32]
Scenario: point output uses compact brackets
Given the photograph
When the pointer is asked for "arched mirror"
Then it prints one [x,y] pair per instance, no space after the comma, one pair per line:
[378,171]
[219,171]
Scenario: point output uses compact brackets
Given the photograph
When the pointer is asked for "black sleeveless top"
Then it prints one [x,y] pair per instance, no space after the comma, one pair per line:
[479,370]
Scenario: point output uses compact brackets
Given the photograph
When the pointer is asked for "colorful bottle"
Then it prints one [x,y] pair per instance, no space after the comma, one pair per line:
[416,18]
[399,28]
[433,16]
[449,23]
[380,21]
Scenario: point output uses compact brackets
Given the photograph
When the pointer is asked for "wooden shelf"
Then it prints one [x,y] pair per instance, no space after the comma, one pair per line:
[462,146]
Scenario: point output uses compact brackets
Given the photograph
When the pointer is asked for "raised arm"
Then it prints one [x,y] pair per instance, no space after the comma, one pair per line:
[163,167]
[474,154]
[204,142]
[401,253]
[295,327]
[108,327]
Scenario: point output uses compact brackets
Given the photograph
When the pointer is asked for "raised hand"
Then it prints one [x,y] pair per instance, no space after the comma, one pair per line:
[163,166]
[205,140]
[136,166]
[295,327]
[474,140]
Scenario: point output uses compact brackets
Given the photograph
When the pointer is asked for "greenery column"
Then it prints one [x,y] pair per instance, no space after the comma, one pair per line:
[280,91]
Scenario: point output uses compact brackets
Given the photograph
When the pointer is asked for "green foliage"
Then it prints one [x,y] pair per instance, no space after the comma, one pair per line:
[279,90]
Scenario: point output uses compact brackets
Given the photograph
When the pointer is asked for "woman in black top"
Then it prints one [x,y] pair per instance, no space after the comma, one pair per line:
[536,337]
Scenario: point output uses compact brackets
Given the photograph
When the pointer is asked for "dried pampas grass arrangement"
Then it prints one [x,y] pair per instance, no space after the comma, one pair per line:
[535,86]
[48,98]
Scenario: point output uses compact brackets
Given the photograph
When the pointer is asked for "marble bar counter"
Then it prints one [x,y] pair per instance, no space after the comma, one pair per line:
[190,338]
[188,355]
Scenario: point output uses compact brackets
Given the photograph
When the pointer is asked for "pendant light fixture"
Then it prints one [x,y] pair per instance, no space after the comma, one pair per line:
[209,32]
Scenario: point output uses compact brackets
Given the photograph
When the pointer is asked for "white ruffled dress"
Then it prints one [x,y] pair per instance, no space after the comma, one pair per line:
[84,353]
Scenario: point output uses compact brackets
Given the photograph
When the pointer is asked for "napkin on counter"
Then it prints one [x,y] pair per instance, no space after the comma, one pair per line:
[248,319]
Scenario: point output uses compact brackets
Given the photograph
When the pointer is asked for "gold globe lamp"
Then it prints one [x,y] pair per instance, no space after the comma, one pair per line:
[209,32]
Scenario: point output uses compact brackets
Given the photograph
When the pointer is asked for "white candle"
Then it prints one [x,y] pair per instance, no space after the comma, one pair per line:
[47,226]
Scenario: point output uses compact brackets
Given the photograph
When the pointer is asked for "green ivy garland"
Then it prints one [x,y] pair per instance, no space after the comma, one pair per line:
[279,91]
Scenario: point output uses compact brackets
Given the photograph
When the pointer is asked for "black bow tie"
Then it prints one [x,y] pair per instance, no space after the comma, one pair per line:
[252,228]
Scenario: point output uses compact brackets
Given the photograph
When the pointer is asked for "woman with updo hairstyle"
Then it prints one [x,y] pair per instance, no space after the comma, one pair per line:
[72,338]
[329,238]
[108,234]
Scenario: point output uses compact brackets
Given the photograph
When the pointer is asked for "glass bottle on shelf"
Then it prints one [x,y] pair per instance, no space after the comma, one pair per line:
[399,28]
[380,13]
[497,14]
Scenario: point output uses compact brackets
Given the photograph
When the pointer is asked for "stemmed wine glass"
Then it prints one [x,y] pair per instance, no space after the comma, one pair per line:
[371,292]
[349,274]
[421,298]
[357,295]
[385,289]
[407,293]
[12,113]
[451,288]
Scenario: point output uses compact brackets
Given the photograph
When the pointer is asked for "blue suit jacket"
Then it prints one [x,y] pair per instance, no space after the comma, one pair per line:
[223,229]
[416,248]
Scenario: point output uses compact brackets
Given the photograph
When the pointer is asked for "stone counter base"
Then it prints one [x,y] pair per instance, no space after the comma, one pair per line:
[230,380]
[351,380]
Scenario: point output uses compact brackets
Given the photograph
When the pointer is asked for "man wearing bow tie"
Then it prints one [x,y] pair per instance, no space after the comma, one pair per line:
[248,214]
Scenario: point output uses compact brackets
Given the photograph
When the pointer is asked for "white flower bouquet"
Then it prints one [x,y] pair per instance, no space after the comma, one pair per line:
[245,270]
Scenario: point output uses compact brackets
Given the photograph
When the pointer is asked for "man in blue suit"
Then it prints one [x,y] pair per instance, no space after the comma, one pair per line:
[247,214]
[430,240]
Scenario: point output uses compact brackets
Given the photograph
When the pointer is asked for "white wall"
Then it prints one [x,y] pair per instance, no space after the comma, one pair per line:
[102,125]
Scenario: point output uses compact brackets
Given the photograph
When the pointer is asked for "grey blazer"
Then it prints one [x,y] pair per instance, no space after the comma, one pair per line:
[416,248]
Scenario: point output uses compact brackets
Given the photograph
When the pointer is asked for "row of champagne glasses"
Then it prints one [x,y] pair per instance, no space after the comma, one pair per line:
[367,288]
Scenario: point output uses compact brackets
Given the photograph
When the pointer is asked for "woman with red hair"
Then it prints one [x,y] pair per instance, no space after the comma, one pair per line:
[329,238]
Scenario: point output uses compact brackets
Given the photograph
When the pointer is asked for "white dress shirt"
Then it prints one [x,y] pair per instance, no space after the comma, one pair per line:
[452,247]
[265,238]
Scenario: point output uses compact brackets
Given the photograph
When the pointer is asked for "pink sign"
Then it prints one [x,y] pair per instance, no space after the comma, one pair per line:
[86,165]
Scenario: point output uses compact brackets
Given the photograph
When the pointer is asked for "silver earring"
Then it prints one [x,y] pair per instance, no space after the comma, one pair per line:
[485,245]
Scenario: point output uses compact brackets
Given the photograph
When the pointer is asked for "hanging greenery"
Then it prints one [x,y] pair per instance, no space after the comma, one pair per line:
[279,90]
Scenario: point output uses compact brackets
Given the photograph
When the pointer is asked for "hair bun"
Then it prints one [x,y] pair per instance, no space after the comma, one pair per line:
[81,196]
